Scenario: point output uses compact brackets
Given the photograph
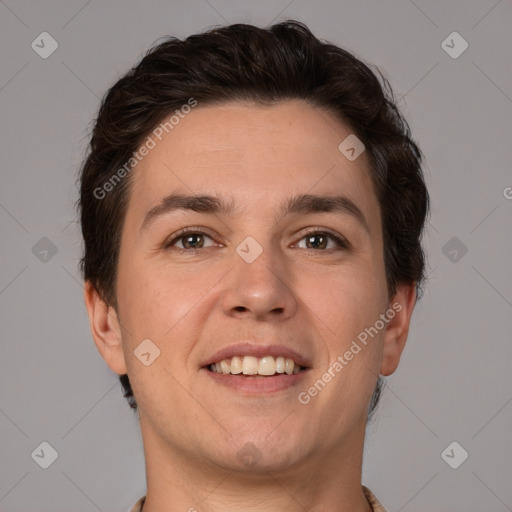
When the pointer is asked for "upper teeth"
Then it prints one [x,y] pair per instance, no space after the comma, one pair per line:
[250,365]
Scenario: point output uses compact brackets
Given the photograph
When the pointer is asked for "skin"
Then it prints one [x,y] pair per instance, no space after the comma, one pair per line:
[316,300]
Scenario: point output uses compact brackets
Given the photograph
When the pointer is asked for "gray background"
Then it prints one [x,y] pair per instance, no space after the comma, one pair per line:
[454,382]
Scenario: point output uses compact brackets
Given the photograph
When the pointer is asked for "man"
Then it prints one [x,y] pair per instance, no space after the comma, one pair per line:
[252,207]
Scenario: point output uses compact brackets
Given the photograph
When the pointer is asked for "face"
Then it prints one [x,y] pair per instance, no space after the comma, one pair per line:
[278,273]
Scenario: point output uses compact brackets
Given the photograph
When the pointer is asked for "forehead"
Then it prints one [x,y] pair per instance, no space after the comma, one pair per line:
[253,153]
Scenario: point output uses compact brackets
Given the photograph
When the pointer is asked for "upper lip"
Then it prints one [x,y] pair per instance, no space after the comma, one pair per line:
[257,350]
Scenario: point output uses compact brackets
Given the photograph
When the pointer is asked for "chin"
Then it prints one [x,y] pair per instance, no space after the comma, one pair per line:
[252,461]
[261,450]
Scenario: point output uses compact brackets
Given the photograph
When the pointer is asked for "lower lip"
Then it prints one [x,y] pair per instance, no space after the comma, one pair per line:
[257,385]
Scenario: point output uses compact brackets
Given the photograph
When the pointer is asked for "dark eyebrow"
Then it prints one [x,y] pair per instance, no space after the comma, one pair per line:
[301,204]
[200,203]
[308,203]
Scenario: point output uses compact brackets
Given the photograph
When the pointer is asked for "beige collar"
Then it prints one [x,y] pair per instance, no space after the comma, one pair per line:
[372,500]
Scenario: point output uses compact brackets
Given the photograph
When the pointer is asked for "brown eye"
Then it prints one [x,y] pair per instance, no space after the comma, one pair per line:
[192,241]
[188,241]
[320,240]
[316,241]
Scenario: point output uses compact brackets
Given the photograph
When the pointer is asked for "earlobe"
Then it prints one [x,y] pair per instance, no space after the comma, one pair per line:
[402,304]
[105,329]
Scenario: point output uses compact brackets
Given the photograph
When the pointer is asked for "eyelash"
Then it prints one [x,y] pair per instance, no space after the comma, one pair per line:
[341,242]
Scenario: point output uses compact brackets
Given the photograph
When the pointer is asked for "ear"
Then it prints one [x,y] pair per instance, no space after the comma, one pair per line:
[105,329]
[397,329]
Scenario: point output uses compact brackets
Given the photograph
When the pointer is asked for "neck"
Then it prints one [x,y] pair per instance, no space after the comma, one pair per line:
[180,481]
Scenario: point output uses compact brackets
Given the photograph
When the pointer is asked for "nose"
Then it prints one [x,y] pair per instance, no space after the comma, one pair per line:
[260,290]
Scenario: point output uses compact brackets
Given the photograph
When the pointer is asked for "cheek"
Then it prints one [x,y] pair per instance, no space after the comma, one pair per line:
[154,297]
[161,306]
[346,305]
[166,305]
[346,300]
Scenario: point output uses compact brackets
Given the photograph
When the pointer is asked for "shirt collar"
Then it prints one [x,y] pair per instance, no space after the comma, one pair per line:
[372,500]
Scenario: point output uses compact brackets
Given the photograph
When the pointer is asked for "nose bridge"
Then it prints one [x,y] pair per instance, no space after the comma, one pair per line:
[259,283]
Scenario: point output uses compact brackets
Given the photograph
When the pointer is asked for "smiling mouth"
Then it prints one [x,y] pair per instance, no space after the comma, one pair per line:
[251,366]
